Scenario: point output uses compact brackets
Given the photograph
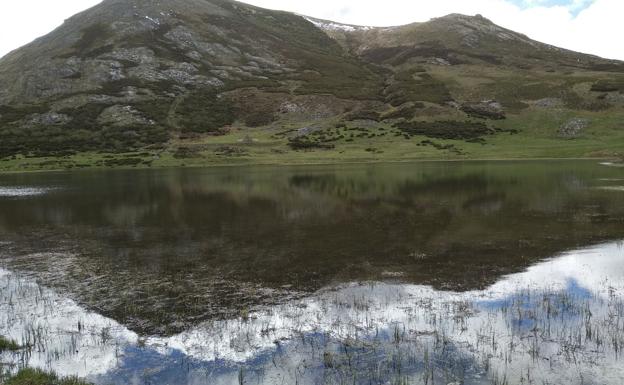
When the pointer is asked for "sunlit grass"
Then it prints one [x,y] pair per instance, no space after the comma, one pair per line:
[536,136]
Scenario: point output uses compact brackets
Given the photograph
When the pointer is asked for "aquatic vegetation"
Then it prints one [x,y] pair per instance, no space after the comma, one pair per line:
[523,328]
[388,274]
[8,345]
[189,246]
[39,377]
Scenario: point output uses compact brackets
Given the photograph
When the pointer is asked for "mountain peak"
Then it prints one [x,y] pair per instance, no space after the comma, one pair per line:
[464,17]
[126,74]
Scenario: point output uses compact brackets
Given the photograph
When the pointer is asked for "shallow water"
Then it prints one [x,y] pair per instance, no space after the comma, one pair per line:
[406,273]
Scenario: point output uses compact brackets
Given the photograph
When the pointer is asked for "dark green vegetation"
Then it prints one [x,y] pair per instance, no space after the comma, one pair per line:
[416,85]
[205,111]
[446,129]
[608,85]
[8,345]
[202,74]
[307,144]
[30,376]
[188,245]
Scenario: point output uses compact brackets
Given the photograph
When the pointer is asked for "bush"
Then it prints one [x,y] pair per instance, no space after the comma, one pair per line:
[205,111]
[446,129]
[608,86]
[410,86]
[259,118]
[301,143]
[363,115]
[406,112]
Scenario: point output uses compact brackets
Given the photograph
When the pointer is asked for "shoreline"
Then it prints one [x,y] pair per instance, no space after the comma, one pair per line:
[608,161]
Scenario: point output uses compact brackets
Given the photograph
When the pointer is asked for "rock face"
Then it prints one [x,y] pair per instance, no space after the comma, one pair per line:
[573,128]
[142,41]
[123,116]
[47,119]
[486,109]
[162,65]
[548,103]
[188,65]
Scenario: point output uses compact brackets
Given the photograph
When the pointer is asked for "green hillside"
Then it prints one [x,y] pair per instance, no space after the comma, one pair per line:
[138,83]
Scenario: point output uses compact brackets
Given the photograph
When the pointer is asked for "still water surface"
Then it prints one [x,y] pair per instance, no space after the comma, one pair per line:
[470,273]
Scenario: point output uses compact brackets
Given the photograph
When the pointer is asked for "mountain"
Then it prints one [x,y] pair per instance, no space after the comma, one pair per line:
[193,79]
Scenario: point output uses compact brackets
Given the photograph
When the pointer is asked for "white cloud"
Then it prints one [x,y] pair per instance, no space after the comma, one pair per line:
[591,26]
[24,20]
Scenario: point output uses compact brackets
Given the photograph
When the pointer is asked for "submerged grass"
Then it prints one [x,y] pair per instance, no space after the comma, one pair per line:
[377,333]
[29,376]
[8,344]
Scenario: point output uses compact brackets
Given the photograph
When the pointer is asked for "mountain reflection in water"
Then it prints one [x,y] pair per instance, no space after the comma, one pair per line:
[429,273]
[559,322]
[161,251]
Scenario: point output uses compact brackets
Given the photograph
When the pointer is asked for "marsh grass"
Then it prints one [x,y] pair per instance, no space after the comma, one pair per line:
[8,345]
[29,376]
[429,339]
[508,346]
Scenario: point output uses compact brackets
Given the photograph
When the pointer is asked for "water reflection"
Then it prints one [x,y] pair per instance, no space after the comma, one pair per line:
[363,274]
[19,191]
[559,322]
[59,334]
[162,251]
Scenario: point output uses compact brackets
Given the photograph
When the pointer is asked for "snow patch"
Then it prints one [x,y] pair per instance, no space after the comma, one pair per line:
[331,26]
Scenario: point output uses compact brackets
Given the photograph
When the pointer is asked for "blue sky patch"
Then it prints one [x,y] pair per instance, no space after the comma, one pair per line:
[574,6]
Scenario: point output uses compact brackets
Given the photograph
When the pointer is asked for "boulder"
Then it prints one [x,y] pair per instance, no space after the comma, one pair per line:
[486,109]
[549,103]
[573,128]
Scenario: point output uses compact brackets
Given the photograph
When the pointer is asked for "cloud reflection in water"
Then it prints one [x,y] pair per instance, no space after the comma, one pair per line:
[560,321]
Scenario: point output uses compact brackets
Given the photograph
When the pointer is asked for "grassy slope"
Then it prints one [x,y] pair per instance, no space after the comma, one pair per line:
[537,138]
[394,75]
[537,131]
[537,128]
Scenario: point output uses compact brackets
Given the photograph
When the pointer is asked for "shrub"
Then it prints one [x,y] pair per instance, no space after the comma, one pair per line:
[301,143]
[410,86]
[259,118]
[363,115]
[446,129]
[608,86]
[407,112]
[205,111]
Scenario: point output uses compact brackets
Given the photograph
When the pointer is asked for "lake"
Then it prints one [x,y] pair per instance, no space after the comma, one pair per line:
[406,273]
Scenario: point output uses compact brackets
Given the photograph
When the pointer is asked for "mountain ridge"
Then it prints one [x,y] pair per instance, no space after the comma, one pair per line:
[166,74]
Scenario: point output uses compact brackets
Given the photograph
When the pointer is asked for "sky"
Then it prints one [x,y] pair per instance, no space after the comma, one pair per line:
[590,26]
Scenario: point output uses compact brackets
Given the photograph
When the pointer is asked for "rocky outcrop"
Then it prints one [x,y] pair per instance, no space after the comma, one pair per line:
[47,119]
[573,128]
[486,109]
[123,116]
[548,103]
